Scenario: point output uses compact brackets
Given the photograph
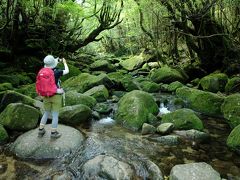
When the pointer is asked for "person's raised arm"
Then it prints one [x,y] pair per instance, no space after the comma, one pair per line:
[66,69]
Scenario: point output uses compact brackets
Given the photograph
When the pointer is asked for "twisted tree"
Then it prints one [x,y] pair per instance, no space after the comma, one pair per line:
[204,34]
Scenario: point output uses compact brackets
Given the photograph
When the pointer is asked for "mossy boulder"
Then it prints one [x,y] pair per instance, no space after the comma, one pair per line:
[86,81]
[231,109]
[233,85]
[102,65]
[28,90]
[174,86]
[74,115]
[166,75]
[74,98]
[149,86]
[100,93]
[6,86]
[15,97]
[205,102]
[214,82]
[18,116]
[130,84]
[183,119]
[15,79]
[135,62]
[73,71]
[116,77]
[233,140]
[136,108]
[3,135]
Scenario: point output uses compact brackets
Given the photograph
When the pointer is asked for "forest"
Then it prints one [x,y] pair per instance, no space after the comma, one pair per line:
[200,36]
[152,90]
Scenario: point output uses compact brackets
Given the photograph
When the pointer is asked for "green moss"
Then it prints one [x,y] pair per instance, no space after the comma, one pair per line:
[73,71]
[28,90]
[201,101]
[166,75]
[231,109]
[134,109]
[6,86]
[214,82]
[233,85]
[18,116]
[149,86]
[183,119]
[233,140]
[3,135]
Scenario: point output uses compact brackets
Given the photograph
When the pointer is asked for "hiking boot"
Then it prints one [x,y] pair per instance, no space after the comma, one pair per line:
[55,134]
[41,132]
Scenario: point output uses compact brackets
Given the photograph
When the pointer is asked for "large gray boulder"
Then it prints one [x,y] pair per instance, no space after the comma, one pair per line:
[199,171]
[18,116]
[29,145]
[135,108]
[102,166]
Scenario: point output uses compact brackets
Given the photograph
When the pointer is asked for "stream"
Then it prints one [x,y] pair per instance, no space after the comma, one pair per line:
[105,137]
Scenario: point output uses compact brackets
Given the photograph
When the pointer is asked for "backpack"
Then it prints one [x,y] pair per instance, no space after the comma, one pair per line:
[45,82]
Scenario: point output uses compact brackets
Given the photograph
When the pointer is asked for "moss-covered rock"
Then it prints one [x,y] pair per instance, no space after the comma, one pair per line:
[74,98]
[149,86]
[102,65]
[18,116]
[174,86]
[103,108]
[3,135]
[73,71]
[15,79]
[74,115]
[134,109]
[15,97]
[233,140]
[231,109]
[233,85]
[214,82]
[130,84]
[166,75]
[135,62]
[183,119]
[28,90]
[100,93]
[6,86]
[205,102]
[86,81]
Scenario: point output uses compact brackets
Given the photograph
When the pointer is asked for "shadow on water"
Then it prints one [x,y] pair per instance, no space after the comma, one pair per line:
[105,137]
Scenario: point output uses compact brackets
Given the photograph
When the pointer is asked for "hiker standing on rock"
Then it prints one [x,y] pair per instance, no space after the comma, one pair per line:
[48,86]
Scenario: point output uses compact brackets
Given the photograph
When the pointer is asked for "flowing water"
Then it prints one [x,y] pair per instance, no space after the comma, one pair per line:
[105,137]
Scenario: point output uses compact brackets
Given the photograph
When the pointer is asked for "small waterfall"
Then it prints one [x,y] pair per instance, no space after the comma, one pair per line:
[107,120]
[163,109]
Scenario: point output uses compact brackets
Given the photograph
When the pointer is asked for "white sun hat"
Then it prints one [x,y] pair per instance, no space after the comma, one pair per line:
[50,61]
